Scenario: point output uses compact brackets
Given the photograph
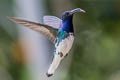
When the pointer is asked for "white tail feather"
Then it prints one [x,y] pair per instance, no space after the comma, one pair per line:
[56,61]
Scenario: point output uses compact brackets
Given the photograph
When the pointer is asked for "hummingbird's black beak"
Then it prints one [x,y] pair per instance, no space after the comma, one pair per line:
[77,10]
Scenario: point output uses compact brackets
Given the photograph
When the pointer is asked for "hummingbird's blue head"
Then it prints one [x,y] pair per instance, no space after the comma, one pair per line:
[67,18]
[69,14]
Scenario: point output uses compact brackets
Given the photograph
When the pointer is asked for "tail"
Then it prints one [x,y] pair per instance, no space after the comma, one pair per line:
[56,61]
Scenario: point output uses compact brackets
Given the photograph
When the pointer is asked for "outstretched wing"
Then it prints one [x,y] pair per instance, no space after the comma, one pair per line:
[52,21]
[46,30]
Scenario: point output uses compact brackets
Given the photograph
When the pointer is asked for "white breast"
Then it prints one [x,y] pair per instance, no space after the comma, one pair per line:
[65,45]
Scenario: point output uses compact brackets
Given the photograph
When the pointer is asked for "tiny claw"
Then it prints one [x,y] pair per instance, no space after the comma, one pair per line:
[49,75]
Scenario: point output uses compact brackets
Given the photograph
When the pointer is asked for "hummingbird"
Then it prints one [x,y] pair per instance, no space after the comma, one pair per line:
[59,31]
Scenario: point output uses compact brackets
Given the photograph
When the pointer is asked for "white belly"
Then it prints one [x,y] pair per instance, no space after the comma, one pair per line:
[65,45]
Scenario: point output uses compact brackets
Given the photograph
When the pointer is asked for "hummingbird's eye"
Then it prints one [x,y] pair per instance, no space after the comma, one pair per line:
[67,13]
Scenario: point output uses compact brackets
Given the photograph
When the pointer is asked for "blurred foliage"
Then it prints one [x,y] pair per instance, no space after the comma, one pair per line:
[9,68]
[96,49]
[8,65]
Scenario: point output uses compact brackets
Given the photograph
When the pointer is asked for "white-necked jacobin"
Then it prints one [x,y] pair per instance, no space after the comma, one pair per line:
[59,31]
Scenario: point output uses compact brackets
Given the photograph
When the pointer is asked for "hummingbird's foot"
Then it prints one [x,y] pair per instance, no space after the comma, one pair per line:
[61,54]
[49,75]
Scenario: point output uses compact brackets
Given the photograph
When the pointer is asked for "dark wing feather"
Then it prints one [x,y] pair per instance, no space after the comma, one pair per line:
[46,30]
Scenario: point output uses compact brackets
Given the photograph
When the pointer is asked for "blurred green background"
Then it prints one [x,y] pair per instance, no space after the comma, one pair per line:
[96,50]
